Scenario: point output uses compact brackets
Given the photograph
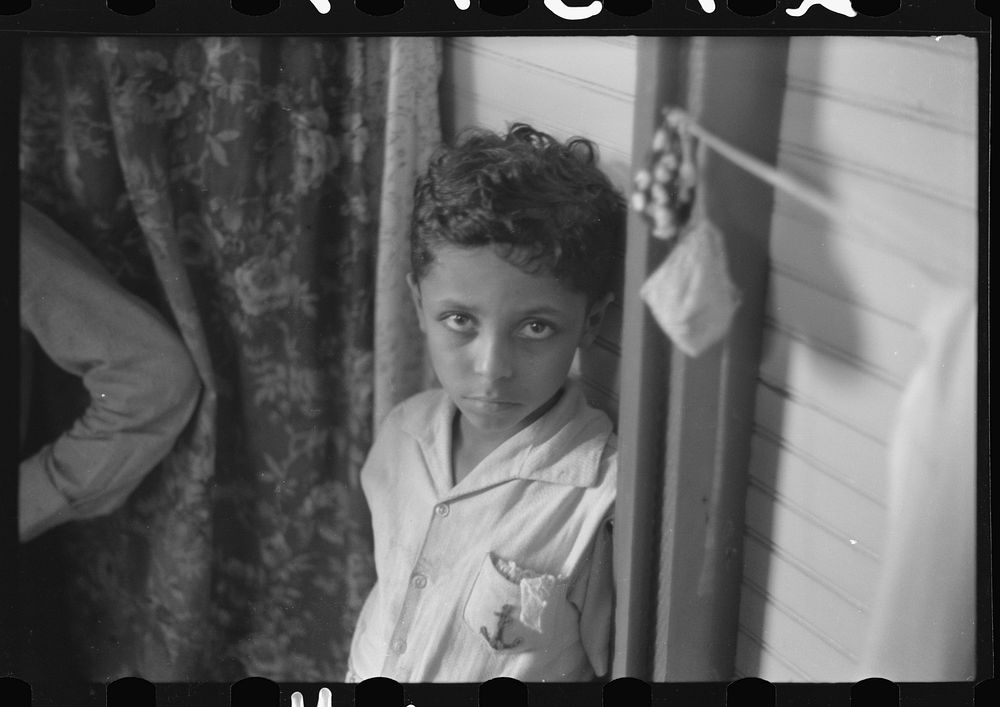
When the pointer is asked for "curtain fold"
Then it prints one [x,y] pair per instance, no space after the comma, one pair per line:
[253,190]
[400,367]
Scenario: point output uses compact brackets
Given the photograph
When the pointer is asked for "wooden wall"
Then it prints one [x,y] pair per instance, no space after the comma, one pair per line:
[886,126]
[565,86]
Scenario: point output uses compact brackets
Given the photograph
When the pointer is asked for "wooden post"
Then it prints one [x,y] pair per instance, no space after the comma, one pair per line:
[710,409]
[642,405]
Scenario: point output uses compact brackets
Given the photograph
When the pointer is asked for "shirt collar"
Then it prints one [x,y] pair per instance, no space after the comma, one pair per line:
[571,426]
[540,452]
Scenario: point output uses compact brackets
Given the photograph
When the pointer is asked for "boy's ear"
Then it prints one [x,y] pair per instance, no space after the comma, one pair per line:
[595,316]
[415,295]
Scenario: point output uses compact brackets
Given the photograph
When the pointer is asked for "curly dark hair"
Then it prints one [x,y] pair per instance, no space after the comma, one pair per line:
[544,205]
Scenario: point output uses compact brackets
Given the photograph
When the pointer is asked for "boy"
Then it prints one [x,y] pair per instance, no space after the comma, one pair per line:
[491,497]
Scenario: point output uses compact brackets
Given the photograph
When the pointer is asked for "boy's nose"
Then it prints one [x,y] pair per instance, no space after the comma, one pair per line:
[493,357]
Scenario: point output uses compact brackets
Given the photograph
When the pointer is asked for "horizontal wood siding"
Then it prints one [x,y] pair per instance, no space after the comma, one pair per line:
[565,86]
[885,126]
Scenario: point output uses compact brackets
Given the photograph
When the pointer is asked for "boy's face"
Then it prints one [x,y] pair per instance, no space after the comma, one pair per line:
[501,340]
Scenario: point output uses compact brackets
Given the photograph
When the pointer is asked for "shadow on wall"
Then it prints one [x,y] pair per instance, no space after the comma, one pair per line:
[811,334]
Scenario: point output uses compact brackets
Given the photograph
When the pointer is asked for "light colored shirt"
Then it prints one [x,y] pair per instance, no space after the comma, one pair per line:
[142,384]
[507,573]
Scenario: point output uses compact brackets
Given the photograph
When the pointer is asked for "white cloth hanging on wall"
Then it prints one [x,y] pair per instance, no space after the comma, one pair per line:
[691,295]
[923,620]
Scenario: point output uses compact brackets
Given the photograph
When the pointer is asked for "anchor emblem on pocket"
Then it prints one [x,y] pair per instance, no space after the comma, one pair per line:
[504,620]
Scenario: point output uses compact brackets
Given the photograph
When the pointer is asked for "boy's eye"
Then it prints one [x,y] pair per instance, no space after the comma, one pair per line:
[457,321]
[537,329]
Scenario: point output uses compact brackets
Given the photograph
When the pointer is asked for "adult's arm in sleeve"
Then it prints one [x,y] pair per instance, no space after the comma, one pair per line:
[142,384]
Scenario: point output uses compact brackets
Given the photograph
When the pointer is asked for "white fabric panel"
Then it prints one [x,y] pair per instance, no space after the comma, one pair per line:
[923,625]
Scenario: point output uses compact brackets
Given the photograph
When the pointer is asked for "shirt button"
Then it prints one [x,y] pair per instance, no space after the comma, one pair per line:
[399,645]
[419,581]
[442,509]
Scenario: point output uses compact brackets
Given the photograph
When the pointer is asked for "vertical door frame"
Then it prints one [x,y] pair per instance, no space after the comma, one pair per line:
[685,423]
[644,369]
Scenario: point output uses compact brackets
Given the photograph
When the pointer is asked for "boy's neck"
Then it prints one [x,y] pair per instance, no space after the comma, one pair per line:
[470,446]
[465,456]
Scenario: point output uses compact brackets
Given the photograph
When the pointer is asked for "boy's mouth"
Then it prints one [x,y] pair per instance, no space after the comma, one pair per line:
[490,404]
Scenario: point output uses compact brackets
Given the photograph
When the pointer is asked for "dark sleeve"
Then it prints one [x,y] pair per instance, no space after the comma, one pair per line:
[142,384]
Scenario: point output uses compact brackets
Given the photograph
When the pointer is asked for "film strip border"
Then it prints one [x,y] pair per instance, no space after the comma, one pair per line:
[509,16]
[499,692]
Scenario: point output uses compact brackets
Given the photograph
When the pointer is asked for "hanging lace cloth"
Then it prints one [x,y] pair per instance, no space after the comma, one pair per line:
[691,294]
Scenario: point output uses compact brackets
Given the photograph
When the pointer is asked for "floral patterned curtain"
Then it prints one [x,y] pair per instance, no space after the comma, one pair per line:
[251,189]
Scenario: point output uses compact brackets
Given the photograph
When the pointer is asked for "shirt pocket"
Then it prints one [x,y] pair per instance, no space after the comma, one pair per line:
[494,611]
